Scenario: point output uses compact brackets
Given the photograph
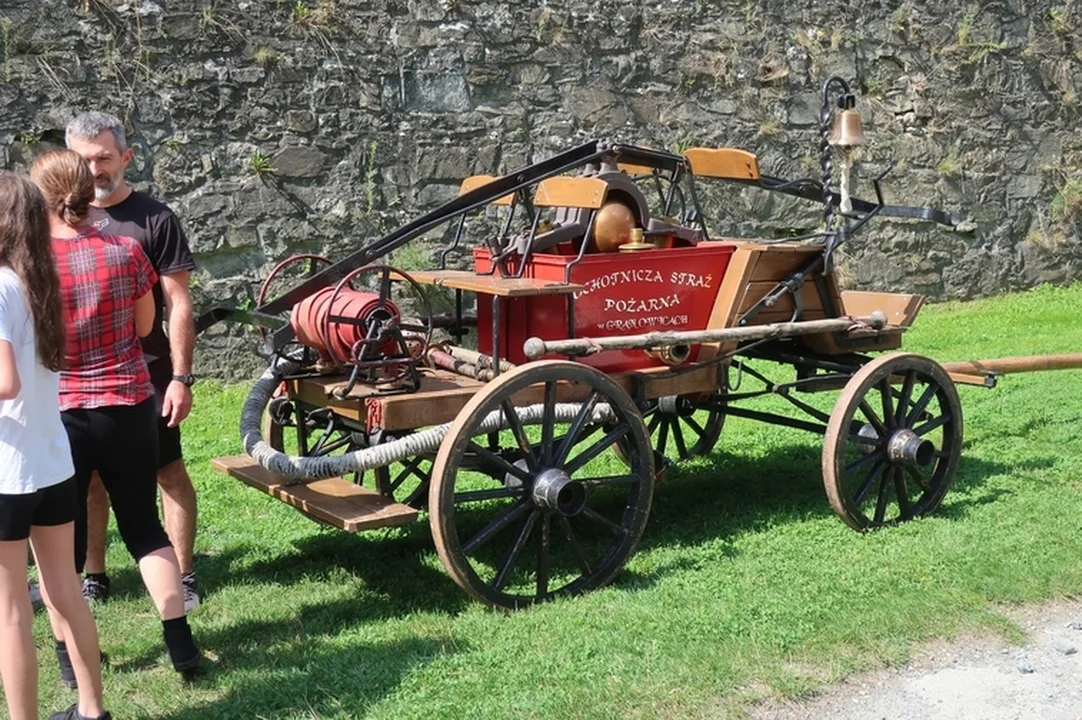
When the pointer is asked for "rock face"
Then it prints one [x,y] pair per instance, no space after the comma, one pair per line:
[316,125]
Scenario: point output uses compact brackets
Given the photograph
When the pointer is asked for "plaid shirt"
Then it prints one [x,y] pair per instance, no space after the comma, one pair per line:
[100,280]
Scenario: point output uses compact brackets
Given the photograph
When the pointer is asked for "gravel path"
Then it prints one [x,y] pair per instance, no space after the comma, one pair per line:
[984,678]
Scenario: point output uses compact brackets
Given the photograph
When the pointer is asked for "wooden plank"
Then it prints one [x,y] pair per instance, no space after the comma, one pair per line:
[900,308]
[724,163]
[493,284]
[475,181]
[782,311]
[335,501]
[741,263]
[634,169]
[576,192]
[782,259]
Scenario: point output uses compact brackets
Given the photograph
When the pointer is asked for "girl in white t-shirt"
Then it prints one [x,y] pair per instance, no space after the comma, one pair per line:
[37,492]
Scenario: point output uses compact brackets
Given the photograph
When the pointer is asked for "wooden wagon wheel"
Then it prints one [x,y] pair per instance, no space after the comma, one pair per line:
[326,433]
[406,481]
[675,431]
[893,441]
[549,492]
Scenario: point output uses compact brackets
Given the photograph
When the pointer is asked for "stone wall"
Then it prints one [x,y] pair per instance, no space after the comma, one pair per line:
[280,125]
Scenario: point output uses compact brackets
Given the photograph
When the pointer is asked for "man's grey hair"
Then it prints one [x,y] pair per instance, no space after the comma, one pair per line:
[91,124]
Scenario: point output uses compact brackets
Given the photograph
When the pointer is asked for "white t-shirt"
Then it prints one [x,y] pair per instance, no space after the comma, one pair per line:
[34,449]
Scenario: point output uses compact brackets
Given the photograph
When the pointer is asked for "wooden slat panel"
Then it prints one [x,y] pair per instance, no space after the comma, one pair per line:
[900,308]
[726,163]
[633,169]
[809,294]
[778,261]
[493,284]
[577,192]
[335,501]
[475,181]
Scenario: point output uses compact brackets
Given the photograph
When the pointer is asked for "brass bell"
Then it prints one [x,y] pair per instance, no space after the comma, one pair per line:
[847,131]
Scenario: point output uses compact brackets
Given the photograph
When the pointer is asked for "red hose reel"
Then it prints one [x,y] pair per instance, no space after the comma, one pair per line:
[365,329]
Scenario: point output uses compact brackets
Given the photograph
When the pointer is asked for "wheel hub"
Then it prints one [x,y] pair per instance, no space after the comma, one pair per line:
[554,490]
[905,446]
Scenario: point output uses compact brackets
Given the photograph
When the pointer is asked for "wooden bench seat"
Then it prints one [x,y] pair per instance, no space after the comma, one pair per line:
[335,501]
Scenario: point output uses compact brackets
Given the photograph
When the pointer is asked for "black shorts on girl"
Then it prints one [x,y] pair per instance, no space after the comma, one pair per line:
[50,506]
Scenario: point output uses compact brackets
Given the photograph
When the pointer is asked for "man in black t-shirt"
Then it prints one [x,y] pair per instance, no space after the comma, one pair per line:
[119,210]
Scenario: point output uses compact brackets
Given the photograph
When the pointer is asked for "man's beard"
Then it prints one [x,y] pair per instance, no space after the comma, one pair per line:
[103,193]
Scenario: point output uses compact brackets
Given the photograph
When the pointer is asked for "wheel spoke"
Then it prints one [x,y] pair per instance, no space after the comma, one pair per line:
[597,448]
[904,397]
[663,436]
[411,468]
[886,394]
[493,494]
[520,434]
[902,493]
[880,428]
[932,424]
[516,550]
[601,519]
[500,462]
[678,438]
[514,513]
[863,461]
[610,481]
[543,557]
[548,423]
[875,472]
[699,429]
[881,499]
[577,424]
[918,478]
[654,422]
[921,404]
[576,551]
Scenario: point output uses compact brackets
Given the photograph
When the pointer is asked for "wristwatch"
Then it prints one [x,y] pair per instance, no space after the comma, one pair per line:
[188,379]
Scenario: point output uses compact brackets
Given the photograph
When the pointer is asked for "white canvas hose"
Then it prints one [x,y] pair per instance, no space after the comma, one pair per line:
[412,445]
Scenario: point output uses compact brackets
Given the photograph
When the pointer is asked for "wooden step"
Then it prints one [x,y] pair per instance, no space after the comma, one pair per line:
[335,501]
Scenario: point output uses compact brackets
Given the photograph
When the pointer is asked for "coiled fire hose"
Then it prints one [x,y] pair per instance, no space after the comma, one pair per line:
[412,445]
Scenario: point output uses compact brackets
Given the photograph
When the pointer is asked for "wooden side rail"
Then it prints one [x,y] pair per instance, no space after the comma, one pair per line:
[335,501]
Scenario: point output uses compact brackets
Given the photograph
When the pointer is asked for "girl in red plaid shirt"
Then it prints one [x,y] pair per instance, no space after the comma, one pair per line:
[106,398]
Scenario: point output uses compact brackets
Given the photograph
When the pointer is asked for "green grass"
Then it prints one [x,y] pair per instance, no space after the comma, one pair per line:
[745,585]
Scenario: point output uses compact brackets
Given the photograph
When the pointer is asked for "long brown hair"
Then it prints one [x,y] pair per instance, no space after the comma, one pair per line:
[25,246]
[67,184]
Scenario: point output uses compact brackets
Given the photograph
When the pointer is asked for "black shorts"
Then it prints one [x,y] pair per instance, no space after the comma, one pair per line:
[54,505]
[169,450]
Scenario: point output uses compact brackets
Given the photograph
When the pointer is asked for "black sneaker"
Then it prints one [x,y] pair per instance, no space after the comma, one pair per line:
[96,588]
[72,713]
[191,591]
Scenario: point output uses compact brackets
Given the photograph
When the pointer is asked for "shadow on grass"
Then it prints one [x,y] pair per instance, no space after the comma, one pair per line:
[708,500]
[275,675]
